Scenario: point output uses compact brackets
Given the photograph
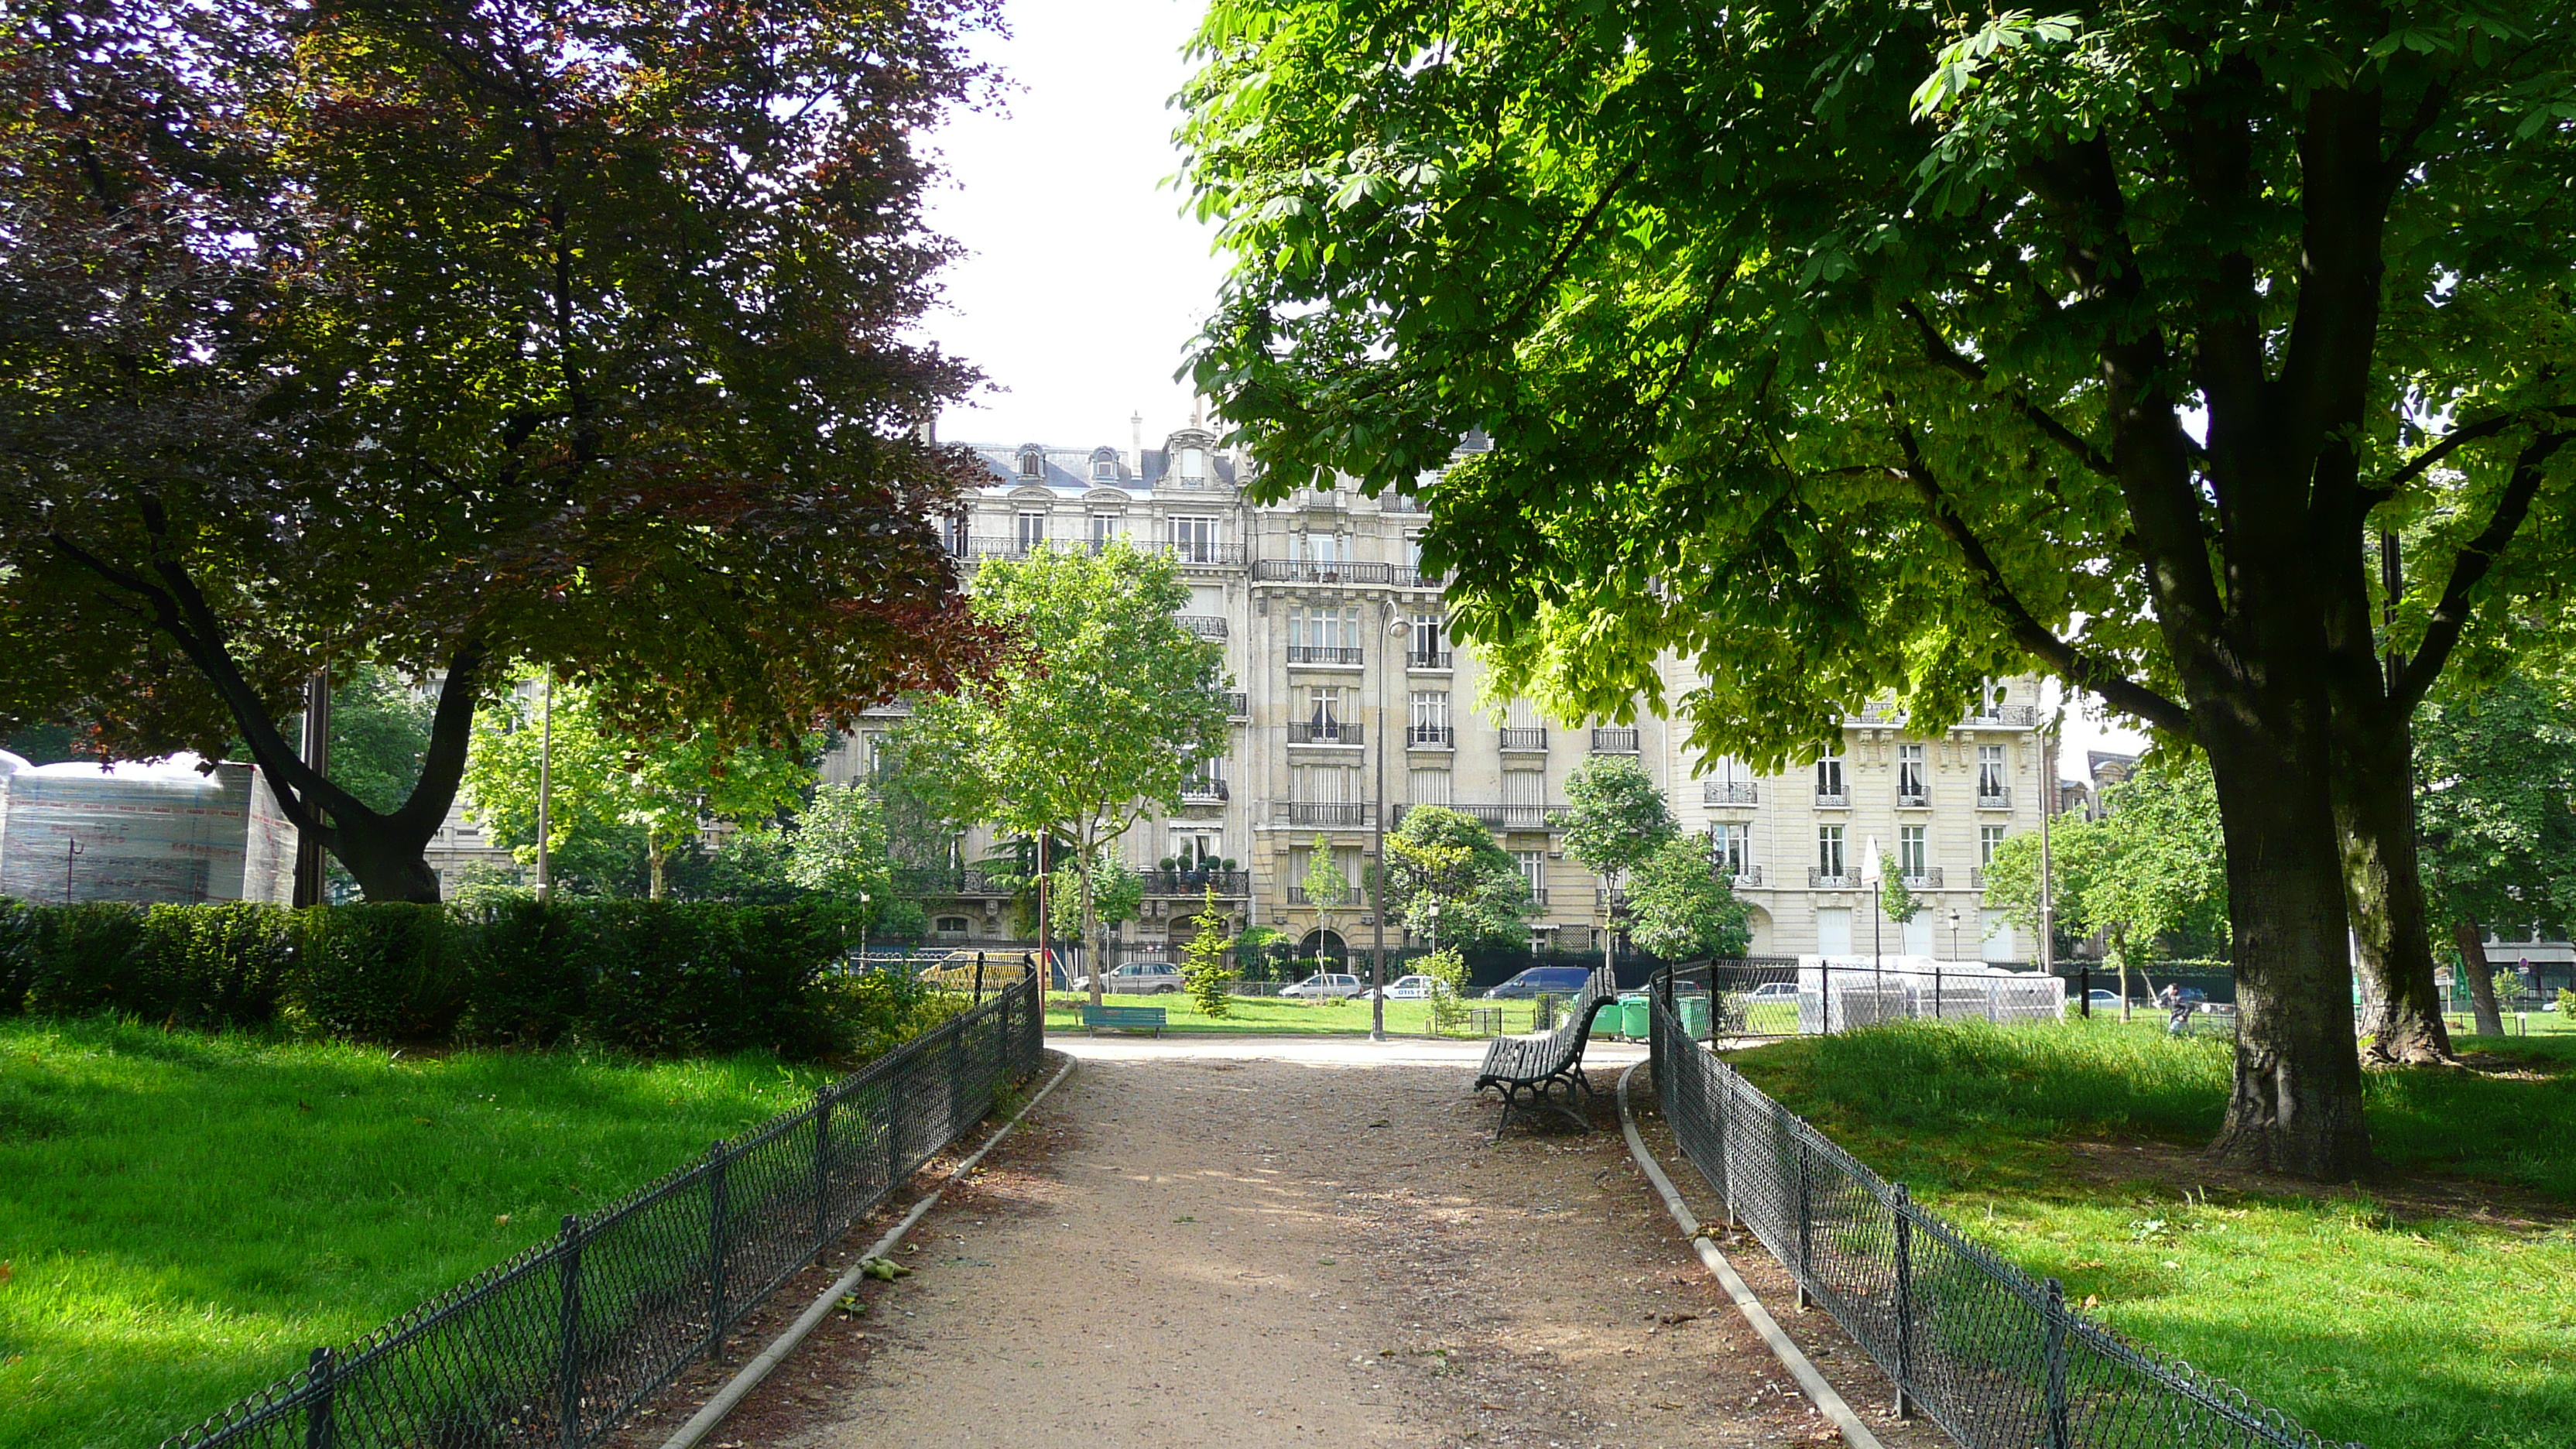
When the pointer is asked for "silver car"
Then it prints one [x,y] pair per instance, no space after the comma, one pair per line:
[1329,985]
[1137,978]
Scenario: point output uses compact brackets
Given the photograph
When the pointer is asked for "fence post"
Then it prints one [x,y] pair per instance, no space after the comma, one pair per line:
[1806,1224]
[1827,967]
[568,1388]
[1903,1209]
[1936,990]
[716,1209]
[2060,1431]
[979,978]
[822,1166]
[319,1431]
[956,1080]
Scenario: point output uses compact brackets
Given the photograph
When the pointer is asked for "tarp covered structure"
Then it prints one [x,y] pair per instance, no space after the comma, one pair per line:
[164,831]
[1839,993]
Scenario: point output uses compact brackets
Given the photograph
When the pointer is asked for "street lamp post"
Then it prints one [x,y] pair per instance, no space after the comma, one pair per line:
[1395,629]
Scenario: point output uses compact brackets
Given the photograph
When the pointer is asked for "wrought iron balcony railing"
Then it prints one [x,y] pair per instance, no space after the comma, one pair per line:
[1324,654]
[1923,878]
[1204,792]
[1430,737]
[1206,626]
[1428,659]
[1749,878]
[1832,800]
[1916,798]
[1320,812]
[1614,742]
[1821,879]
[1524,739]
[1194,883]
[1731,792]
[1994,797]
[1323,732]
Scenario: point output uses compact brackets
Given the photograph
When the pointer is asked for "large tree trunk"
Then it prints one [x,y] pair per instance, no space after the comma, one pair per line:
[2473,960]
[384,852]
[2296,1105]
[2374,787]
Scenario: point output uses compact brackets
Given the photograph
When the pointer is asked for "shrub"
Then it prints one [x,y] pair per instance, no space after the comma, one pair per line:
[228,964]
[86,960]
[1448,972]
[390,971]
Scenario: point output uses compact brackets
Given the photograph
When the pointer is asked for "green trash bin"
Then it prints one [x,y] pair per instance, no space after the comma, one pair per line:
[1694,1017]
[1634,1021]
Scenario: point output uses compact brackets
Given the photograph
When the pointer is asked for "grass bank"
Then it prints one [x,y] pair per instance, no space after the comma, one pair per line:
[1275,1016]
[184,1217]
[2434,1308]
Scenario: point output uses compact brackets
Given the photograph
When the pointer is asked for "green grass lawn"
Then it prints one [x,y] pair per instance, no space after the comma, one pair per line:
[1272,1016]
[2435,1309]
[185,1217]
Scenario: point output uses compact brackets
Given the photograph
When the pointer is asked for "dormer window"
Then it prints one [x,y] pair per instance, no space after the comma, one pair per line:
[1104,465]
[1032,462]
[1194,465]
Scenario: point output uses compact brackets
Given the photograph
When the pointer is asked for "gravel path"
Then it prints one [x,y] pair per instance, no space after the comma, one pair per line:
[1260,1242]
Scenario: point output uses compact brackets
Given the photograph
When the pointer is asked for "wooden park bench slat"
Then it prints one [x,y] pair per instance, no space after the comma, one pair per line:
[1541,1073]
[1123,1018]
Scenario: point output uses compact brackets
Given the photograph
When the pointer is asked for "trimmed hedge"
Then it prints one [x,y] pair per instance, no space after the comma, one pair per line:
[656,978]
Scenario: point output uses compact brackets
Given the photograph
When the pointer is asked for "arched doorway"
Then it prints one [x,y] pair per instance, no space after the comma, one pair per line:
[1321,944]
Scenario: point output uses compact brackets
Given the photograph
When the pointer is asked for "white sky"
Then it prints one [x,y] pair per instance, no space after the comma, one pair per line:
[1085,282]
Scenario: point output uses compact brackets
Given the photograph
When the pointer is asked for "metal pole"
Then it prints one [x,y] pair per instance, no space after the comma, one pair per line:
[2047,873]
[546,793]
[316,753]
[1377,901]
[73,850]
[319,1430]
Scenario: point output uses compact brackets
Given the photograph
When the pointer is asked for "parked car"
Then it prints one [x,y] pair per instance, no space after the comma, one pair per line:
[1137,978]
[1326,985]
[1406,988]
[1541,981]
[2103,1000]
[1773,991]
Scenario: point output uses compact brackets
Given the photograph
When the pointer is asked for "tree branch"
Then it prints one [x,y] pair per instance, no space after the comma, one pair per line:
[2452,442]
[1557,264]
[1938,348]
[2475,561]
[2118,690]
[451,730]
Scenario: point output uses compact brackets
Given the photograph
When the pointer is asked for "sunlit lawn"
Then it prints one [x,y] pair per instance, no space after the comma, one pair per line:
[1271,1015]
[186,1217]
[2394,1317]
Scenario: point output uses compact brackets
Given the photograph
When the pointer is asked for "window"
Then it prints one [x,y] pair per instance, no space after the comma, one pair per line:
[1426,647]
[1829,850]
[1533,870]
[1032,463]
[1913,855]
[951,926]
[1990,838]
[1990,770]
[1829,774]
[1326,784]
[1033,530]
[1324,705]
[1413,550]
[1194,465]
[1104,465]
[1324,628]
[1206,774]
[1525,788]
[1991,698]
[1104,527]
[1427,787]
[1833,931]
[1728,770]
[1909,772]
[958,535]
[1321,548]
[1520,714]
[1732,845]
[1194,538]
[1198,848]
[1430,717]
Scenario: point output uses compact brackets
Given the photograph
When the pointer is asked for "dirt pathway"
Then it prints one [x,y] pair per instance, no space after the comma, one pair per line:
[1257,1243]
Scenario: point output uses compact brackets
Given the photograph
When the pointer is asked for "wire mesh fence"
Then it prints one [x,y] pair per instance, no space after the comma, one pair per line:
[557,1346]
[1809,996]
[1997,1359]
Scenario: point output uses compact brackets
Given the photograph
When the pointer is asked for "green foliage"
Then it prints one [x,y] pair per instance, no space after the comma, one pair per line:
[1207,961]
[1447,969]
[1117,889]
[660,979]
[2496,803]
[379,734]
[1448,881]
[2152,869]
[1895,900]
[388,356]
[838,848]
[1682,909]
[609,789]
[1615,817]
[1093,719]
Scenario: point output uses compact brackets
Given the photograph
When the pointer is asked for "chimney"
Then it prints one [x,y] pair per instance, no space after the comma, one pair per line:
[1136,442]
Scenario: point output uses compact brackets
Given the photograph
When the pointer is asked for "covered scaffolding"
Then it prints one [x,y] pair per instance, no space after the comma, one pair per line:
[1838,993]
[164,831]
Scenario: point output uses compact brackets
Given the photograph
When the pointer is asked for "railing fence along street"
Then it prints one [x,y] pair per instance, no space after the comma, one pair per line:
[559,1345]
[1997,1359]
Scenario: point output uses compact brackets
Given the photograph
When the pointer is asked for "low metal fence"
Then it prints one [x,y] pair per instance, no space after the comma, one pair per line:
[559,1345]
[1997,1359]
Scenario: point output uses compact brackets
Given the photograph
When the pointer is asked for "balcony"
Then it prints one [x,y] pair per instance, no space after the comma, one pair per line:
[1427,659]
[1819,879]
[1614,742]
[1994,797]
[1976,877]
[1430,737]
[1524,739]
[2022,715]
[1748,879]
[1404,576]
[1320,812]
[1195,883]
[1238,704]
[1538,896]
[1401,503]
[1206,626]
[1338,655]
[1323,732]
[1731,792]
[1509,817]
[1913,798]
[953,880]
[1318,571]
[1923,878]
[1832,800]
[1204,792]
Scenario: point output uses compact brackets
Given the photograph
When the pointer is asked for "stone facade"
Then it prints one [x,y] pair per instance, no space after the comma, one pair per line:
[1345,674]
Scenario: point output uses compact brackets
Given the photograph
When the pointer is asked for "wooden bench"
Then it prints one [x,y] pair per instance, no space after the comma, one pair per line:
[1123,1018]
[1541,1073]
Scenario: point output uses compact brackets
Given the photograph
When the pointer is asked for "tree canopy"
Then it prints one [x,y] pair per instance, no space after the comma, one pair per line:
[1683,909]
[2152,869]
[1449,881]
[440,336]
[1885,349]
[2498,804]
